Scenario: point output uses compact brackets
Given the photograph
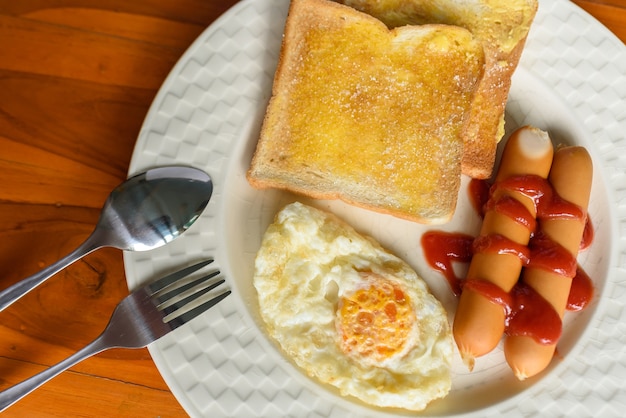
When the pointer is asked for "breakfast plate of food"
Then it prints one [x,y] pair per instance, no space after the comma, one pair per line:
[338,307]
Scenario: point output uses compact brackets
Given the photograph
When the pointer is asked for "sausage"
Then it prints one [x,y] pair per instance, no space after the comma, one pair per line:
[571,178]
[479,323]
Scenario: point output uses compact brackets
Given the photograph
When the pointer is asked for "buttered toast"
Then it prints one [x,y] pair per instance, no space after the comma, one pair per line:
[368,115]
[502,27]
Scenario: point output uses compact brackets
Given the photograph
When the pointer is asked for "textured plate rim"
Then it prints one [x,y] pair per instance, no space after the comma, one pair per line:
[181,395]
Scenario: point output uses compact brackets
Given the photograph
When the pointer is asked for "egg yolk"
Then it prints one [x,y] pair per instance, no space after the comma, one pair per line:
[375,322]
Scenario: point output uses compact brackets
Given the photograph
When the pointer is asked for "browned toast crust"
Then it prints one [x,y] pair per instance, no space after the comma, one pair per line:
[502,27]
[368,115]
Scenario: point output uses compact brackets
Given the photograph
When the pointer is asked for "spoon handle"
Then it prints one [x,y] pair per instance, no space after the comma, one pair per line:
[19,289]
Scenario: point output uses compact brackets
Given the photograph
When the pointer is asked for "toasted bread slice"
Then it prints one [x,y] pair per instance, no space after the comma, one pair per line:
[502,27]
[368,115]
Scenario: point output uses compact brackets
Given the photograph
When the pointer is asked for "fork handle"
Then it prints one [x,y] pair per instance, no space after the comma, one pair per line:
[13,394]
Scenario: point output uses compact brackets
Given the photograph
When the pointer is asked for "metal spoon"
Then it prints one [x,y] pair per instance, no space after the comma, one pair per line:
[145,212]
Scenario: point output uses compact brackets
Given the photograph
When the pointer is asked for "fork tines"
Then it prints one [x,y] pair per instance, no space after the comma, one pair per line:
[182,297]
[162,284]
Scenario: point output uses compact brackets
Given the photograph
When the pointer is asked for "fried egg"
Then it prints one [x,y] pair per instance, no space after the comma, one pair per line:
[351,314]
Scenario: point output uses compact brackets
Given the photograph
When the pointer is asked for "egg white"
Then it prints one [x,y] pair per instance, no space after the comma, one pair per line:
[308,260]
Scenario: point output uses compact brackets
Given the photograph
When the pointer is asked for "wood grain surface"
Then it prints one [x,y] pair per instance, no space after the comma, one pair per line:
[76,80]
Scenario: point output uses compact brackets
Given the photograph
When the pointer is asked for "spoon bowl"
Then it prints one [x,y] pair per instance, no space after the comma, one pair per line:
[145,212]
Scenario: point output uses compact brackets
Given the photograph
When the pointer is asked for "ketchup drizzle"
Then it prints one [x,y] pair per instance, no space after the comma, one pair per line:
[479,195]
[532,316]
[493,292]
[514,209]
[548,255]
[531,186]
[500,244]
[581,291]
[527,312]
[588,235]
[441,249]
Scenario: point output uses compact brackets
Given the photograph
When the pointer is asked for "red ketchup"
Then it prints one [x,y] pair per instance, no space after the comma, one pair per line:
[532,316]
[581,292]
[588,234]
[527,312]
[441,249]
[479,195]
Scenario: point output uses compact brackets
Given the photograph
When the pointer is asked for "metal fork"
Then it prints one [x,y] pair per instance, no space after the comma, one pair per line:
[141,318]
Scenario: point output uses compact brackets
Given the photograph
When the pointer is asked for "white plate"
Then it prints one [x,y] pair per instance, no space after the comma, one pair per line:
[571,81]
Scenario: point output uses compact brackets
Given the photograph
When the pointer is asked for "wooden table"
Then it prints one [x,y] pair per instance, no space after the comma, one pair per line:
[76,80]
